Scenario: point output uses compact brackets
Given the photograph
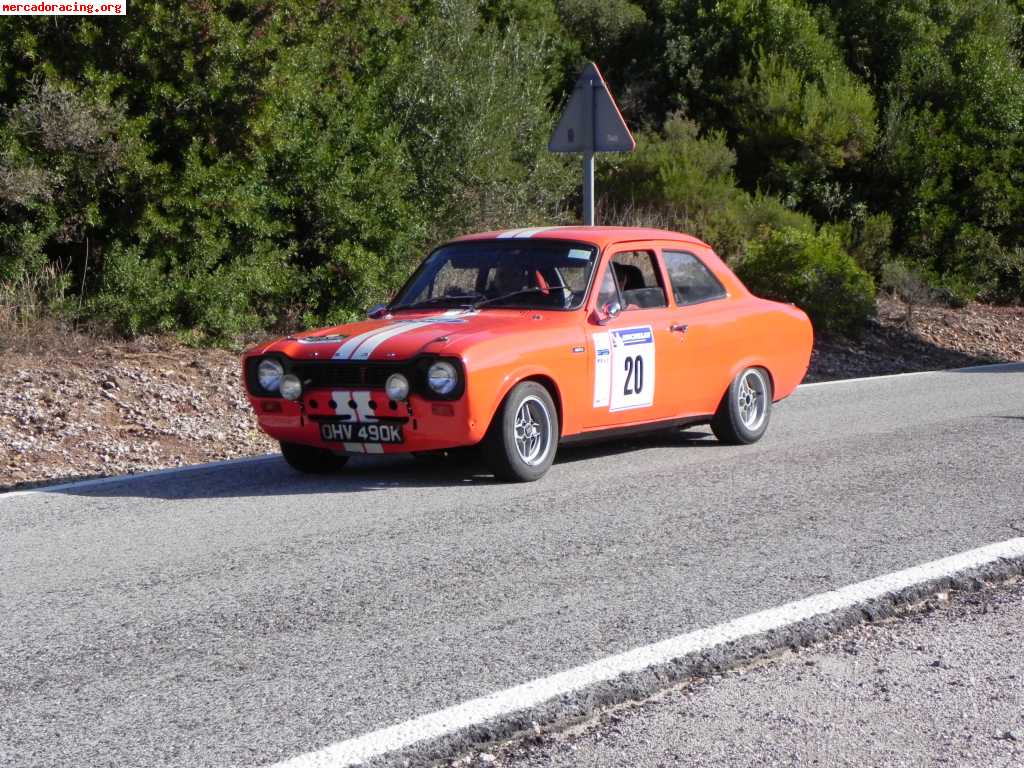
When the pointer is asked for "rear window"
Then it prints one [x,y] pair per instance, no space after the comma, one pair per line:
[692,282]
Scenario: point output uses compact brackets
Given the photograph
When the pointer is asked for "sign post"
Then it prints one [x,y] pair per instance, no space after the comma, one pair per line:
[590,123]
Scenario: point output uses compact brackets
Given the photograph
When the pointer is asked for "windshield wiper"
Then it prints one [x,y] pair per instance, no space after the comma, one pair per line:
[464,300]
[522,292]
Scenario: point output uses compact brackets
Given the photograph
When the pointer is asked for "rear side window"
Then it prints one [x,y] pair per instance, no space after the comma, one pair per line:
[692,282]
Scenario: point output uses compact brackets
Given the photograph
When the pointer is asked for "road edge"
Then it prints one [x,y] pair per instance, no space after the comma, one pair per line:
[582,692]
[58,485]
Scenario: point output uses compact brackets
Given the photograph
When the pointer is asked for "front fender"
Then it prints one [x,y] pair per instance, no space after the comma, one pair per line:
[507,379]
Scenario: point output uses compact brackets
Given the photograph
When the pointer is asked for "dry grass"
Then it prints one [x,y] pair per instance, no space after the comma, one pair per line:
[632,214]
[31,319]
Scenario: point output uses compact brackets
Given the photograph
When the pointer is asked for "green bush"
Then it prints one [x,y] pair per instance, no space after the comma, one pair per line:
[212,169]
[685,181]
[867,238]
[215,171]
[812,271]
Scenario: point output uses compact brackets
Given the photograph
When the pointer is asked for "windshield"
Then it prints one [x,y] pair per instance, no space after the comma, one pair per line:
[532,274]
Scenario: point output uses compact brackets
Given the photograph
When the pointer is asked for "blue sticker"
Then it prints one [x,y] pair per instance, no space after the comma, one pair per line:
[631,336]
[579,253]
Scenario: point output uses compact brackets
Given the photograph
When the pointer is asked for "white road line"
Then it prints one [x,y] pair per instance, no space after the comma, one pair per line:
[988,367]
[528,695]
[4,495]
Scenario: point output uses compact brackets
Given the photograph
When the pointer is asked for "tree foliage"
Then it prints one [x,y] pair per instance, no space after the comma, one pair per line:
[226,168]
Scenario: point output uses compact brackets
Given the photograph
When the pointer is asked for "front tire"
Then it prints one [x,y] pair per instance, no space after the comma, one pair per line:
[521,443]
[310,460]
[746,408]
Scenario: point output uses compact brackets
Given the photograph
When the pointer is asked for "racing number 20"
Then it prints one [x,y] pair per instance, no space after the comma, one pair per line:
[634,376]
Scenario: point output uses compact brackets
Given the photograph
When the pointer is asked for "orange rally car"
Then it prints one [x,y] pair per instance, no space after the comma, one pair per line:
[518,341]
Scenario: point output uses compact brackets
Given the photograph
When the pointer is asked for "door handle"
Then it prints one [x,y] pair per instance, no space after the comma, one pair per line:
[678,327]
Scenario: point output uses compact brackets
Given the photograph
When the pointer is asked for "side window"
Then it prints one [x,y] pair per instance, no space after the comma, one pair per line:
[639,280]
[692,282]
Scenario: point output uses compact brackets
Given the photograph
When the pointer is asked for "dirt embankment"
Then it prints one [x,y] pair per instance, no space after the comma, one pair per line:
[81,408]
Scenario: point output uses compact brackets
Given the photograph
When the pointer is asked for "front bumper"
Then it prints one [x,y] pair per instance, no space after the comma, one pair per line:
[427,425]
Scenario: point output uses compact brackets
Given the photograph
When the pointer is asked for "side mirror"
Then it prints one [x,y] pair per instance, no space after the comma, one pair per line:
[608,312]
[377,311]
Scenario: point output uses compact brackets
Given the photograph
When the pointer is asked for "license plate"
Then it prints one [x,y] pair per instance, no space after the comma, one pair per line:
[335,432]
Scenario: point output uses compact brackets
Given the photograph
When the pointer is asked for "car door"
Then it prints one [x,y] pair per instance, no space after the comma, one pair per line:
[628,346]
[702,322]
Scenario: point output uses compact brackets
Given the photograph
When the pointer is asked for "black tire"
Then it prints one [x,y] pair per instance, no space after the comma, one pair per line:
[310,460]
[746,408]
[523,460]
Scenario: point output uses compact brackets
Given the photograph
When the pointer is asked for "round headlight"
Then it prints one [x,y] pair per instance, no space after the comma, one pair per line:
[442,377]
[397,387]
[291,387]
[269,374]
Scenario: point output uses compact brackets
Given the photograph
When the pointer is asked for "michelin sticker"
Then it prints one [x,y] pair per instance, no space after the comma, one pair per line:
[624,369]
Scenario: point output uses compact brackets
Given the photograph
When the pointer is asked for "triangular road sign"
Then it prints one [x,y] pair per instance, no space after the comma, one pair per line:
[591,121]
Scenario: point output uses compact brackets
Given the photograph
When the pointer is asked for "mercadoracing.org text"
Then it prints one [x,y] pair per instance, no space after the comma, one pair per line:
[63,9]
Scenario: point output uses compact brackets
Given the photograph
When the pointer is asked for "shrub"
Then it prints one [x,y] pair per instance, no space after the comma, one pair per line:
[866,237]
[909,283]
[685,181]
[812,271]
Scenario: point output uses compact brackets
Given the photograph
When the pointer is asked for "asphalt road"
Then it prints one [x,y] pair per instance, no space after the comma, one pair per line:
[944,688]
[243,614]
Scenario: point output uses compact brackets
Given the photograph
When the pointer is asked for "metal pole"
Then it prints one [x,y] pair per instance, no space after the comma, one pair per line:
[588,189]
[588,154]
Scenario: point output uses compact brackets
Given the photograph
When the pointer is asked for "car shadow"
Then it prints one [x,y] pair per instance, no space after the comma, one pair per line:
[273,477]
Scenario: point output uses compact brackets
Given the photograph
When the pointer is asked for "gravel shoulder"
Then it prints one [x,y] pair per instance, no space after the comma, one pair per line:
[92,411]
[942,687]
[74,407]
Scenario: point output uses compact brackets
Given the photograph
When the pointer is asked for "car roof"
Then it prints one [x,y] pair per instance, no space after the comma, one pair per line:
[599,236]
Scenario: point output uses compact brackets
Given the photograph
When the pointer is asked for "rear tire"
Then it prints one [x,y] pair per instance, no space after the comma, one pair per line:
[520,445]
[746,408]
[310,460]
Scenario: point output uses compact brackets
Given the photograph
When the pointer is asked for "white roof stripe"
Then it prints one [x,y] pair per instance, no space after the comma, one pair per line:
[527,233]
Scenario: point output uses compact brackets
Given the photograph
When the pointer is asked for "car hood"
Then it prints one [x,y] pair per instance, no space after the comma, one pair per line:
[403,335]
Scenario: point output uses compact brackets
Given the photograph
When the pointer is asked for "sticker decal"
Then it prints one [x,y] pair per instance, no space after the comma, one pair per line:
[331,338]
[362,413]
[632,368]
[602,369]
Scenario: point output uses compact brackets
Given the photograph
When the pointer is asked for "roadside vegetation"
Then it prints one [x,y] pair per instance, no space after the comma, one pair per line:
[217,170]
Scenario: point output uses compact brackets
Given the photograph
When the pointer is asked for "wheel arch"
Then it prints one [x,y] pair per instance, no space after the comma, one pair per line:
[545,379]
[752,362]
